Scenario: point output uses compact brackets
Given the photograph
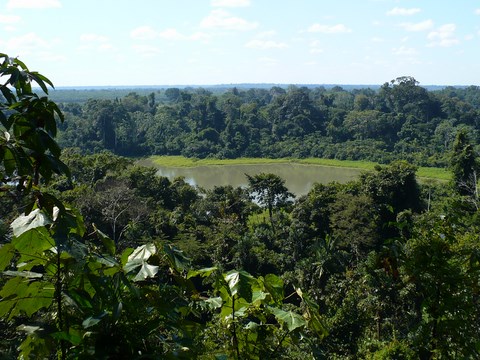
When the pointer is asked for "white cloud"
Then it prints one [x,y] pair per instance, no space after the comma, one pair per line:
[199,36]
[172,34]
[146,50]
[477,11]
[444,36]
[26,44]
[96,42]
[265,44]
[143,33]
[396,11]
[329,29]
[230,3]
[268,61]
[266,34]
[315,47]
[420,26]
[33,4]
[93,38]
[377,39]
[404,51]
[9,19]
[223,20]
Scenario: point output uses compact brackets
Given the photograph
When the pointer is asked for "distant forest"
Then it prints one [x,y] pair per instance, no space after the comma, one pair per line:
[398,120]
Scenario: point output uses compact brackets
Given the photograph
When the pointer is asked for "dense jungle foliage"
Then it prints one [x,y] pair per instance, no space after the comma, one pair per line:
[399,121]
[100,258]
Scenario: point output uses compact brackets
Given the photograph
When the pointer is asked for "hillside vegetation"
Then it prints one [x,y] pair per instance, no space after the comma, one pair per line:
[100,258]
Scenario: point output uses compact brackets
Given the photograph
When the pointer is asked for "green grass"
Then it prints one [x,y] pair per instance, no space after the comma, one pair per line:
[180,161]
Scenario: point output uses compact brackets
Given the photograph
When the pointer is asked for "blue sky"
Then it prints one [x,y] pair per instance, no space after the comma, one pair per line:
[202,42]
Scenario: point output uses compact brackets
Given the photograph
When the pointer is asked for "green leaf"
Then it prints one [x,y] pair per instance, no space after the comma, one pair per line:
[240,283]
[26,299]
[73,336]
[35,219]
[28,329]
[258,296]
[138,259]
[9,161]
[288,318]
[274,285]
[142,253]
[79,298]
[40,80]
[126,253]
[251,326]
[215,302]
[92,320]
[106,241]
[146,271]
[32,246]
[24,274]
[205,272]
[176,258]
[7,251]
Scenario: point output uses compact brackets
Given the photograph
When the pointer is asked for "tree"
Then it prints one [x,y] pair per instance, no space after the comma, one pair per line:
[393,189]
[61,293]
[465,165]
[270,191]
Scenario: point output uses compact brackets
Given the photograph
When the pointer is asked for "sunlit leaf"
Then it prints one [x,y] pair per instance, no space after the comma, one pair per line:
[215,302]
[205,272]
[146,271]
[288,318]
[24,274]
[138,259]
[142,253]
[240,283]
[28,329]
[23,223]
[92,321]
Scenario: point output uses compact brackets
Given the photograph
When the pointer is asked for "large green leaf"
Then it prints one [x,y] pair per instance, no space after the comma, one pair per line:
[107,242]
[7,252]
[288,318]
[137,261]
[205,272]
[274,285]
[240,284]
[26,299]
[23,223]
[146,271]
[176,257]
[32,246]
[9,161]
[215,302]
[142,253]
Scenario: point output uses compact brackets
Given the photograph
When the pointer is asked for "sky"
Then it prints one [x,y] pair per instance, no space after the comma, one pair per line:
[209,42]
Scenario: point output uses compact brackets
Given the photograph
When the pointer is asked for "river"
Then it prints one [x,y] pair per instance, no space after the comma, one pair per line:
[299,178]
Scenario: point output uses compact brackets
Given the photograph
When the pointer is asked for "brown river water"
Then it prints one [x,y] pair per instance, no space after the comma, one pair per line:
[299,178]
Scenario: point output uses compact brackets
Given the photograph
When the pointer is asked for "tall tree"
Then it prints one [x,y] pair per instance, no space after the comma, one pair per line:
[465,165]
[270,191]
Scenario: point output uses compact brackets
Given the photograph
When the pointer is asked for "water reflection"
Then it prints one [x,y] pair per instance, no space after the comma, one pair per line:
[298,178]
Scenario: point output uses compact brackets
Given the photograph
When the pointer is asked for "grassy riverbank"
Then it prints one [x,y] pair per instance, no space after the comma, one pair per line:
[180,161]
